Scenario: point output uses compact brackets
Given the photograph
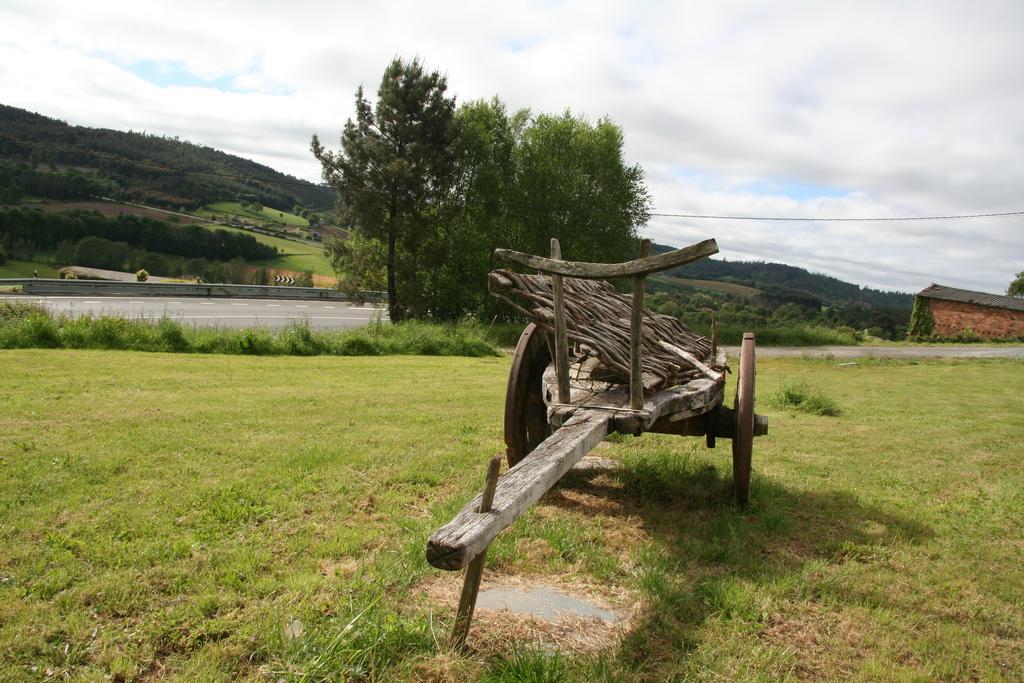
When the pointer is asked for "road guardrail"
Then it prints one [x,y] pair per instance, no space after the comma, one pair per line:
[54,287]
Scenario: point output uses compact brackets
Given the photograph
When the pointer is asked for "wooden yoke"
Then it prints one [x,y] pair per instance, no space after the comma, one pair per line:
[604,271]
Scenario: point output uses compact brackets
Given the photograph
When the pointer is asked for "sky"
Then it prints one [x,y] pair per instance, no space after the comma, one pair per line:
[783,109]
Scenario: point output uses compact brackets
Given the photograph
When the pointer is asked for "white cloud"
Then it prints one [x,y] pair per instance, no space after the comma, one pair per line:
[900,109]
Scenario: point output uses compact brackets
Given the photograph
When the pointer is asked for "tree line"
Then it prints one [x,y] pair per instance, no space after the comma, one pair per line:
[826,289]
[35,229]
[18,181]
[773,307]
[430,189]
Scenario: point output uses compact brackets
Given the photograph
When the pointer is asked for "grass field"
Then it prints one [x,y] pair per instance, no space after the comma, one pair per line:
[297,256]
[224,517]
[715,285]
[26,268]
[264,214]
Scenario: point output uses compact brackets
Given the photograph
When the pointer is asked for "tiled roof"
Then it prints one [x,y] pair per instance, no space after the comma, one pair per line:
[966,296]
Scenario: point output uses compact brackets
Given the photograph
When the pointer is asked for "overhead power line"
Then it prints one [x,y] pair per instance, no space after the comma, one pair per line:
[888,218]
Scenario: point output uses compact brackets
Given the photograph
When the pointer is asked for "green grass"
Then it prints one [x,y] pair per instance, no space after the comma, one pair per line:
[24,326]
[265,214]
[297,256]
[175,516]
[24,269]
[806,399]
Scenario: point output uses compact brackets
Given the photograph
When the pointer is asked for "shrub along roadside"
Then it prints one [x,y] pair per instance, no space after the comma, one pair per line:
[24,325]
[29,326]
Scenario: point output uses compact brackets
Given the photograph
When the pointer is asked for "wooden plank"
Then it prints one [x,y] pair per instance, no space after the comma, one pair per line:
[455,544]
[643,266]
[636,333]
[692,359]
[475,570]
[561,333]
[694,397]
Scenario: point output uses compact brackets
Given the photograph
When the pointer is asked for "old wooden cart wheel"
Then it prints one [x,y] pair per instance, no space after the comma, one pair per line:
[526,418]
[743,407]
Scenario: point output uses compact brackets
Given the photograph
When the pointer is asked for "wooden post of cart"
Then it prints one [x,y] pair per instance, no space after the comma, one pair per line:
[561,335]
[636,334]
[475,569]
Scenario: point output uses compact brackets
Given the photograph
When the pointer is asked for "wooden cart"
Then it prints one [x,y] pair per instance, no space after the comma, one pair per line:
[628,370]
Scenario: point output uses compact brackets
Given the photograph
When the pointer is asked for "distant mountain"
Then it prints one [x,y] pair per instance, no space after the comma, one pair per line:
[782,282]
[41,156]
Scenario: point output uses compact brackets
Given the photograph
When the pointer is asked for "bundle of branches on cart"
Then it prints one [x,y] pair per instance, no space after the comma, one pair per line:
[598,319]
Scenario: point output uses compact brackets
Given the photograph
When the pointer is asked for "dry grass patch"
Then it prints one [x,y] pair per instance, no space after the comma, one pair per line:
[496,633]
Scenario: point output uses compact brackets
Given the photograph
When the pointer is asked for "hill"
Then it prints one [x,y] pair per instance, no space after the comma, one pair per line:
[45,157]
[757,295]
[782,280]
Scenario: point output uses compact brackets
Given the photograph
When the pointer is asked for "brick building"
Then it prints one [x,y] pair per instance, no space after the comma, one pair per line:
[959,310]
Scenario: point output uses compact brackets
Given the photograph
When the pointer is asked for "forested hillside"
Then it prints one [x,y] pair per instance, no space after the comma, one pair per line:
[775,295]
[45,157]
[775,276]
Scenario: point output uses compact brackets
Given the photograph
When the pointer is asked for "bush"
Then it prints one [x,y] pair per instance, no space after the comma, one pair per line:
[357,345]
[141,275]
[799,396]
[171,336]
[298,340]
[798,335]
[254,342]
[3,255]
[922,322]
[36,330]
[14,311]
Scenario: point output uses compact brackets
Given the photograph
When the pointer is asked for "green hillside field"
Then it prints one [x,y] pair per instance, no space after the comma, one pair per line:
[295,255]
[25,268]
[218,209]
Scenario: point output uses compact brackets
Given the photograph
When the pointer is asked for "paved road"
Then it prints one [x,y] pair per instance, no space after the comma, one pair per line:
[220,312]
[938,351]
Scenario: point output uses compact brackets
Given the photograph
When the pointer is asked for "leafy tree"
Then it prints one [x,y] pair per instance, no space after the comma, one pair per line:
[486,178]
[360,262]
[65,254]
[394,171]
[523,180]
[151,262]
[436,190]
[574,184]
[96,252]
[1016,287]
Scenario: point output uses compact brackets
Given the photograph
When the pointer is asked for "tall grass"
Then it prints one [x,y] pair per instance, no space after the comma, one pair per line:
[27,326]
[803,335]
[507,334]
[804,398]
